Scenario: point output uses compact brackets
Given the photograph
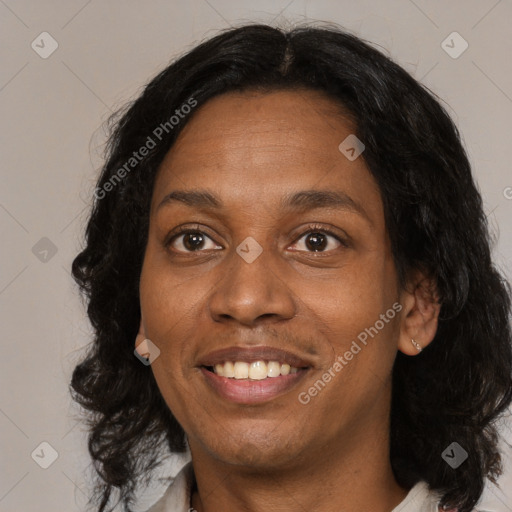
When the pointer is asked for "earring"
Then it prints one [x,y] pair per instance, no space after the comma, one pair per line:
[417,346]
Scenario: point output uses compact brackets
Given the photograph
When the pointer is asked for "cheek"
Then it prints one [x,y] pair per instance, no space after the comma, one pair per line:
[361,344]
[168,306]
[348,310]
[353,300]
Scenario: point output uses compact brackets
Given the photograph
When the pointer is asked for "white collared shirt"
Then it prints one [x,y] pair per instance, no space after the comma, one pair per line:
[177,496]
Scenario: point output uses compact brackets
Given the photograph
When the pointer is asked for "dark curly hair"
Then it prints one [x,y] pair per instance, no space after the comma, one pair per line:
[453,391]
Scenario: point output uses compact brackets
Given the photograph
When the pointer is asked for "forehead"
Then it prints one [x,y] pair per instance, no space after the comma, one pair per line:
[305,122]
[250,144]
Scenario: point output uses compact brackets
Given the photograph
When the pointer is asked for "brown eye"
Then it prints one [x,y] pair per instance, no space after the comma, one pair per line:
[319,241]
[191,241]
[316,241]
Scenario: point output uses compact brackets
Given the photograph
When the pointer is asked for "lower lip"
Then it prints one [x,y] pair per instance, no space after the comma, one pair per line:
[246,391]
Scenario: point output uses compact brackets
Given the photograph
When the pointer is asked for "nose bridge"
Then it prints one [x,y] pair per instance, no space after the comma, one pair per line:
[251,288]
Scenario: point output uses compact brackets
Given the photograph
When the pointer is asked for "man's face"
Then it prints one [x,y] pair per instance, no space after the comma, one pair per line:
[325,274]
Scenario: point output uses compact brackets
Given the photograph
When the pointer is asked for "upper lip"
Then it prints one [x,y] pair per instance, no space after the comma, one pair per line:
[251,354]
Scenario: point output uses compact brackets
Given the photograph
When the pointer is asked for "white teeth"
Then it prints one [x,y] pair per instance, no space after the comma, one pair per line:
[229,369]
[241,370]
[257,370]
[273,369]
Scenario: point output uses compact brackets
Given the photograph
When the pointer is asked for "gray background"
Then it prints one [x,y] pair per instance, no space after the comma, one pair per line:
[51,135]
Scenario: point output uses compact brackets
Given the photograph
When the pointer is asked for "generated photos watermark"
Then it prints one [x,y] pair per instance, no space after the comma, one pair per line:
[341,361]
[152,140]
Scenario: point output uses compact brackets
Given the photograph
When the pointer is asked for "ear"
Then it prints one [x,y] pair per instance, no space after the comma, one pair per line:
[420,315]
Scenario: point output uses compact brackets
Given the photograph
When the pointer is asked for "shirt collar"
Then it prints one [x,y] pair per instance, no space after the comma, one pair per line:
[177,496]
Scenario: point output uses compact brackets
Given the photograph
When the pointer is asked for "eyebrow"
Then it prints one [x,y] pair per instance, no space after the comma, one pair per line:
[311,199]
[298,201]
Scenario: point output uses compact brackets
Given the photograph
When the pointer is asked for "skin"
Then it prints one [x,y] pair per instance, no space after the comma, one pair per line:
[250,150]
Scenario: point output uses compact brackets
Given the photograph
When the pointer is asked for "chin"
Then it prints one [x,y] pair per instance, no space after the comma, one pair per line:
[255,450]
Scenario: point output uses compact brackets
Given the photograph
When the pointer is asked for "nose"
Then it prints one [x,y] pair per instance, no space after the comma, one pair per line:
[251,293]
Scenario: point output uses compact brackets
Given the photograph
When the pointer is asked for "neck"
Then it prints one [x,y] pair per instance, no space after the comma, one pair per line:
[355,476]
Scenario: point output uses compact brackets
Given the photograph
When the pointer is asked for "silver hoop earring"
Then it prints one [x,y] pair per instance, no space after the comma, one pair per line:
[417,346]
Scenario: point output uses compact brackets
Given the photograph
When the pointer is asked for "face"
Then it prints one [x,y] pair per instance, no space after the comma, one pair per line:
[271,251]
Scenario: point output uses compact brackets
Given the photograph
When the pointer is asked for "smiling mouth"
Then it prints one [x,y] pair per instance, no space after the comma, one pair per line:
[255,370]
[247,383]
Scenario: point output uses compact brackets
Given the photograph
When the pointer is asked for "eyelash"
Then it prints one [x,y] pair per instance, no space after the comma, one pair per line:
[312,228]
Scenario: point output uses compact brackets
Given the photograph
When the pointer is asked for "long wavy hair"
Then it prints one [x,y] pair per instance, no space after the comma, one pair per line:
[453,391]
